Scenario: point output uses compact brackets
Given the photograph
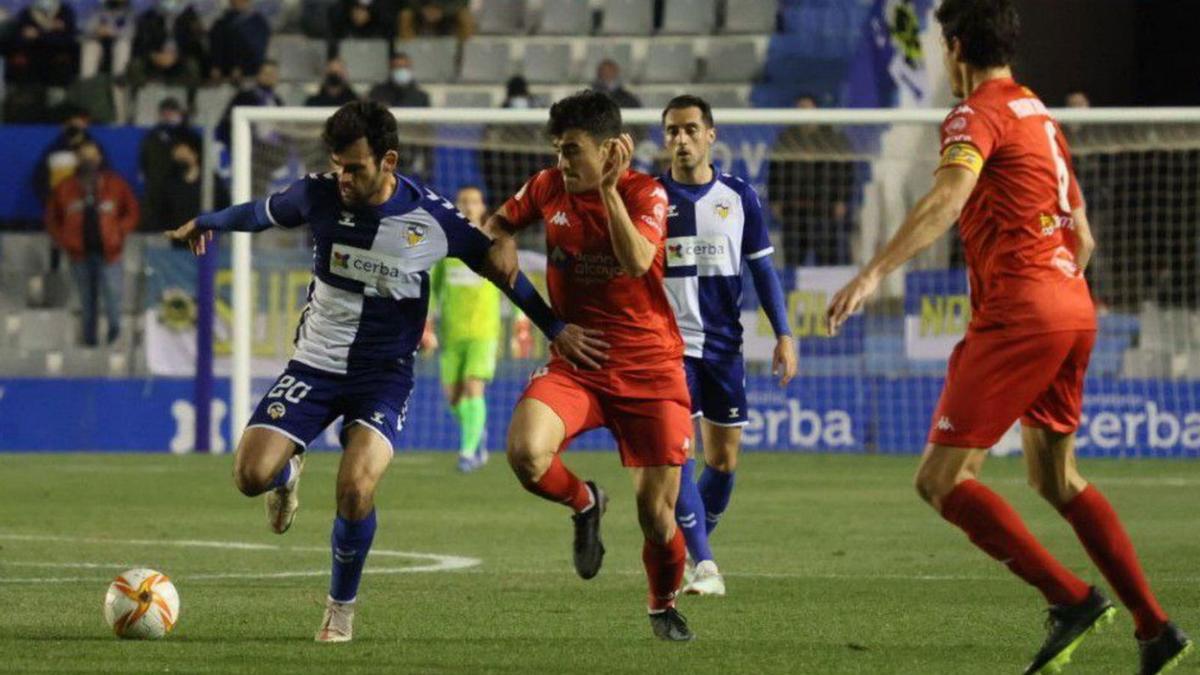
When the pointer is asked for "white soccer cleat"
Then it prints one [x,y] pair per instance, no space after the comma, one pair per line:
[338,624]
[282,503]
[707,580]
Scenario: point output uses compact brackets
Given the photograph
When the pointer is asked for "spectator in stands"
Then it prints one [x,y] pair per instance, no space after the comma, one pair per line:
[362,19]
[182,189]
[516,94]
[433,18]
[108,38]
[810,191]
[1078,99]
[238,42]
[44,46]
[156,161]
[169,45]
[59,159]
[262,93]
[335,89]
[89,216]
[402,90]
[608,80]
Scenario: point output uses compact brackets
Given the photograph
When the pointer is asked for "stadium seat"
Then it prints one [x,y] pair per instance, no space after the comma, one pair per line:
[751,16]
[469,99]
[627,17]
[656,98]
[433,59]
[668,62]
[726,98]
[731,61]
[547,62]
[365,59]
[210,103]
[17,363]
[501,17]
[145,105]
[486,61]
[45,329]
[300,59]
[598,50]
[565,17]
[689,17]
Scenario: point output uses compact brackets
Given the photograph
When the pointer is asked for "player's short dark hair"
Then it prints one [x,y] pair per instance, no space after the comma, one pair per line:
[987,29]
[686,101]
[593,112]
[362,119]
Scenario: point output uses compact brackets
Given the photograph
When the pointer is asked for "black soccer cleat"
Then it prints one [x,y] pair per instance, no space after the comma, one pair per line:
[671,626]
[1067,626]
[1165,651]
[589,550]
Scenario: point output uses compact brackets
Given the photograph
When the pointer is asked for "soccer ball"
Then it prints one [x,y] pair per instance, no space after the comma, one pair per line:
[141,603]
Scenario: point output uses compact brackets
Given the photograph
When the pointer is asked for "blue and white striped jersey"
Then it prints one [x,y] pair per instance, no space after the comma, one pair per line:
[710,230]
[370,290]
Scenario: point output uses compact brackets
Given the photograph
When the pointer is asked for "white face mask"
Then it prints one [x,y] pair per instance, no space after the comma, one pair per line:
[402,76]
[519,102]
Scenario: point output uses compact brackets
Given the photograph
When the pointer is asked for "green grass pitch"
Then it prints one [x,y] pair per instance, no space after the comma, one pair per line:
[832,563]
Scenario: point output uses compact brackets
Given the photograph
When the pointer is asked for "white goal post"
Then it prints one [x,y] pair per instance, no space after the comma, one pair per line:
[906,158]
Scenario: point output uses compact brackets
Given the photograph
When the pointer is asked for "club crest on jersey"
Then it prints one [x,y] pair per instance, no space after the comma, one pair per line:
[341,260]
[956,124]
[560,219]
[276,410]
[347,219]
[672,211]
[559,257]
[722,209]
[415,234]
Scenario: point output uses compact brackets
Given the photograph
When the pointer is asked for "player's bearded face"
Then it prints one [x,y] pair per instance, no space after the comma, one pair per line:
[360,176]
[688,138]
[580,160]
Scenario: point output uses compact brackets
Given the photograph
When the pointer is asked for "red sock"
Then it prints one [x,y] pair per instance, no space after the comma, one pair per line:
[1102,535]
[664,570]
[558,484]
[995,527]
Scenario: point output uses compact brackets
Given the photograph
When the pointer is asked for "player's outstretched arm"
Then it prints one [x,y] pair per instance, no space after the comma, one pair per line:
[633,251]
[196,233]
[929,219]
[501,265]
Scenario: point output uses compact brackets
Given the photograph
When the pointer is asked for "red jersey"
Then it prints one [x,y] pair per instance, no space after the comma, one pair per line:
[587,285]
[1016,227]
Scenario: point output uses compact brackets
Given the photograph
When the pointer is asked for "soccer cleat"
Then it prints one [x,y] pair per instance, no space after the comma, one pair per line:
[588,549]
[282,503]
[707,580]
[671,626]
[467,464]
[1067,626]
[1165,651]
[689,570]
[338,624]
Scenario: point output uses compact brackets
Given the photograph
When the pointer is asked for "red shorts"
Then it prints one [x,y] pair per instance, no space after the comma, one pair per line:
[993,380]
[648,410]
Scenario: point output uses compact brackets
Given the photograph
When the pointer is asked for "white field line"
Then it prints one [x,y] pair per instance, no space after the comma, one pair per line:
[433,562]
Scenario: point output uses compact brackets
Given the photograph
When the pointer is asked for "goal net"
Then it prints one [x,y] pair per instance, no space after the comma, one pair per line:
[835,184]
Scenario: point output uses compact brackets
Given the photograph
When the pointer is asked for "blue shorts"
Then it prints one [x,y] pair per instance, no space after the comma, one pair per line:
[718,389]
[304,400]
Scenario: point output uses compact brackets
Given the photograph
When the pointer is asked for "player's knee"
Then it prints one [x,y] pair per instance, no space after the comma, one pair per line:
[725,462]
[931,485]
[355,498]
[250,480]
[1057,490]
[528,459]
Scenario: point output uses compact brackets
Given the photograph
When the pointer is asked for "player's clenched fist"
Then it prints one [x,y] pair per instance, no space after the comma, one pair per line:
[582,347]
[195,238]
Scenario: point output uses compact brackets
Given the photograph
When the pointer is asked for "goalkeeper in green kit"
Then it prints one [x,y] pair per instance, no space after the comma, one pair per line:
[468,332]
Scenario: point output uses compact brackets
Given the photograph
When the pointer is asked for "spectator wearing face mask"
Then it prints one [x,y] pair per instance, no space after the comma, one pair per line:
[402,90]
[155,159]
[182,187]
[608,80]
[59,160]
[89,216]
[260,94]
[169,45]
[44,48]
[516,94]
[238,42]
[335,88]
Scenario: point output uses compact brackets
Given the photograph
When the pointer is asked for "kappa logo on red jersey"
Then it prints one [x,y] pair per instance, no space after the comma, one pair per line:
[560,219]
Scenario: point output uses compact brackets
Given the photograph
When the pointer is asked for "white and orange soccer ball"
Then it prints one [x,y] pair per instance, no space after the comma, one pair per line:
[142,604]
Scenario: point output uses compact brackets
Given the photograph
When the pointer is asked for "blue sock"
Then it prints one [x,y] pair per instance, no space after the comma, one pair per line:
[716,487]
[281,478]
[689,509]
[351,541]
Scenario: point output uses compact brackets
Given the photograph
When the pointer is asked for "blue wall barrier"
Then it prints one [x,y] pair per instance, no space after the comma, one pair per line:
[823,414]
